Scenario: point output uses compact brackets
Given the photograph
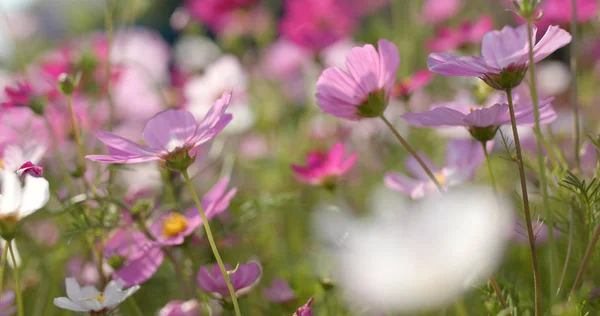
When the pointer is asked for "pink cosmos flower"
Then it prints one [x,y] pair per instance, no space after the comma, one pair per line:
[181,308]
[7,304]
[482,122]
[305,310]
[467,33]
[21,94]
[168,134]
[316,24]
[437,11]
[364,90]
[243,279]
[505,56]
[463,157]
[280,291]
[85,272]
[406,87]
[216,14]
[172,228]
[323,168]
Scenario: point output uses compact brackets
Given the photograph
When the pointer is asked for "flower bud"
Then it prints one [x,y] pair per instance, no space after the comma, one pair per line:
[67,84]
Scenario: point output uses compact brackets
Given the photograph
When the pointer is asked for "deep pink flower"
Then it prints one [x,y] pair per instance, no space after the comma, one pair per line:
[463,157]
[436,11]
[29,168]
[216,14]
[365,89]
[243,279]
[505,56]
[280,291]
[406,87]
[22,94]
[172,228]
[316,24]
[305,310]
[482,122]
[181,308]
[468,33]
[167,135]
[322,168]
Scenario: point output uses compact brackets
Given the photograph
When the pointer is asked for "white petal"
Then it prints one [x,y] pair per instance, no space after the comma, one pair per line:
[66,303]
[11,192]
[89,292]
[73,289]
[36,194]
[91,304]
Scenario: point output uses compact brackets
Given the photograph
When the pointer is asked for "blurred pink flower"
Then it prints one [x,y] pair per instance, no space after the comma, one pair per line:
[364,7]
[324,168]
[305,310]
[316,24]
[463,157]
[505,56]
[172,228]
[280,291]
[243,279]
[84,271]
[169,133]
[406,87]
[437,11]
[181,308]
[216,14]
[558,12]
[364,90]
[284,59]
[20,95]
[7,304]
[44,232]
[28,168]
[467,33]
[540,230]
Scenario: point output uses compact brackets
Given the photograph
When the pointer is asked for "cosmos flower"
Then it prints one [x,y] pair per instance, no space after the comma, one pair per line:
[89,299]
[17,201]
[504,56]
[418,80]
[364,90]
[280,291]
[245,277]
[305,310]
[180,308]
[171,135]
[325,168]
[463,157]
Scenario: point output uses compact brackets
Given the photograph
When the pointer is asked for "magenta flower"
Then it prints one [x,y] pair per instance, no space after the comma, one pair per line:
[181,308]
[29,168]
[406,87]
[20,95]
[463,157]
[316,24]
[280,292]
[243,279]
[504,56]
[482,122]
[172,228]
[365,89]
[170,136]
[216,14]
[305,310]
[468,33]
[324,169]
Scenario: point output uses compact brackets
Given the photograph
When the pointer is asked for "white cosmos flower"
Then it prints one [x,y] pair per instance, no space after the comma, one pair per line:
[225,74]
[419,257]
[88,298]
[18,202]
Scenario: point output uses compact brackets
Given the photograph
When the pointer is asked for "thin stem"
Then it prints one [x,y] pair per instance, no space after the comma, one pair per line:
[489,166]
[586,259]
[211,240]
[539,139]
[135,307]
[530,233]
[3,265]
[17,279]
[59,155]
[568,255]
[413,153]
[576,128]
[498,291]
[80,145]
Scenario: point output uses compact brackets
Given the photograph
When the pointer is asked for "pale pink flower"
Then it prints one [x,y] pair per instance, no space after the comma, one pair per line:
[168,134]
[243,279]
[181,308]
[364,90]
[406,87]
[324,168]
[505,56]
[437,11]
[7,304]
[280,292]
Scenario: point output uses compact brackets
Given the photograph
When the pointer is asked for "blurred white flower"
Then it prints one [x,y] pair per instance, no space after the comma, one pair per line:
[553,77]
[193,53]
[423,256]
[225,74]
[89,299]
[15,156]
[18,202]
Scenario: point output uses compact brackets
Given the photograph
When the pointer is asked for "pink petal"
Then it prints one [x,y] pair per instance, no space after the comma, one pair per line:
[335,84]
[389,61]
[436,118]
[484,117]
[125,145]
[142,268]
[346,165]
[554,39]
[336,155]
[451,65]
[413,166]
[505,47]
[363,65]
[122,159]
[401,183]
[169,129]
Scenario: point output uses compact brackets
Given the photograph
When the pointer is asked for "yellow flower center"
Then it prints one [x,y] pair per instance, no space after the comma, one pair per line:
[440,178]
[99,298]
[1,163]
[174,224]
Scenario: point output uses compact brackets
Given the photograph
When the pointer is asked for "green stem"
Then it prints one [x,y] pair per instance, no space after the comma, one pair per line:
[530,233]
[211,240]
[586,259]
[80,146]
[413,153]
[3,265]
[576,127]
[489,166]
[541,162]
[17,279]
[59,155]
[568,255]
